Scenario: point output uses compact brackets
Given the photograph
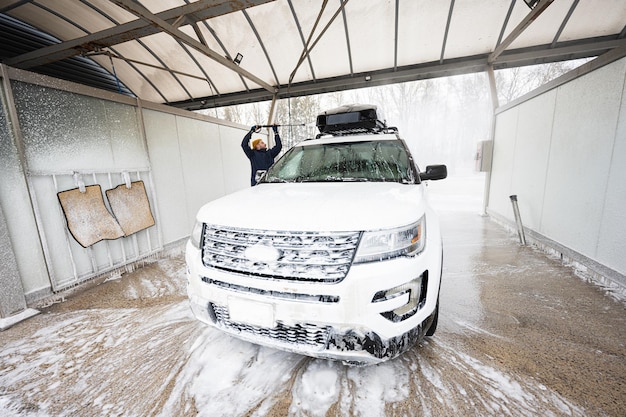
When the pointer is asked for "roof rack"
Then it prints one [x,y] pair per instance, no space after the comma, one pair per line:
[360,131]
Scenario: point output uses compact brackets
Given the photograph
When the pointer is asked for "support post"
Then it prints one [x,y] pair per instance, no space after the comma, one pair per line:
[518,220]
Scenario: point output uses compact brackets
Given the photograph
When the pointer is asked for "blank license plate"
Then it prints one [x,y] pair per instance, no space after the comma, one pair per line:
[250,312]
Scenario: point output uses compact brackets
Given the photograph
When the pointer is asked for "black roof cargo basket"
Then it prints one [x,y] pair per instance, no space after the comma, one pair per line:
[350,120]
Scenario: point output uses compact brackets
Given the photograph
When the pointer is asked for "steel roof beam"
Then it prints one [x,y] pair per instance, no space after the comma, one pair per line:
[198,11]
[445,36]
[521,57]
[565,20]
[519,29]
[295,19]
[309,46]
[144,13]
[258,38]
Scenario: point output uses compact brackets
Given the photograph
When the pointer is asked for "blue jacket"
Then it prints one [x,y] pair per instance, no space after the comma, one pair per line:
[260,160]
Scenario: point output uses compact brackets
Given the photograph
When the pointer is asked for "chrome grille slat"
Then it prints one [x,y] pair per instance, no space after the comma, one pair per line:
[304,256]
[303,333]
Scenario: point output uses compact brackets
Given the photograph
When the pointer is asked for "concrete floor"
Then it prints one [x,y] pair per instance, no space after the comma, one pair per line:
[519,335]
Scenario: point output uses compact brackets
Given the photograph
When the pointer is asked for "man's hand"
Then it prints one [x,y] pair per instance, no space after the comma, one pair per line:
[275,129]
[254,129]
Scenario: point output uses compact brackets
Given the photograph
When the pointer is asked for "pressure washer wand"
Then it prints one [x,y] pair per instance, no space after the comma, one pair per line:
[260,126]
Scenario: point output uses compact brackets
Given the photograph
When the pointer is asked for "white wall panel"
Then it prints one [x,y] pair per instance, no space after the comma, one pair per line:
[585,118]
[167,171]
[236,165]
[193,162]
[611,249]
[201,159]
[502,165]
[564,154]
[530,162]
[183,159]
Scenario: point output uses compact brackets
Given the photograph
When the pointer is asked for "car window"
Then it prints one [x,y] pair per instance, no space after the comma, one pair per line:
[347,161]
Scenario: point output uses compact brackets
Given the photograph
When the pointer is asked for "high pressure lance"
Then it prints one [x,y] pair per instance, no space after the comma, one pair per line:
[259,127]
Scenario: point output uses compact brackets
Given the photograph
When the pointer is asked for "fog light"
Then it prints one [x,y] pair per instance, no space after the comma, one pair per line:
[416,291]
[413,288]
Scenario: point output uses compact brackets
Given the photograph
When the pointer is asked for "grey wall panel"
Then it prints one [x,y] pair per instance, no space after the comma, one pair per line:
[12,294]
[67,131]
[15,202]
[61,133]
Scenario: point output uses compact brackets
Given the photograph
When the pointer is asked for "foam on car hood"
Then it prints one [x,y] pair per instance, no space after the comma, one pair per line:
[342,206]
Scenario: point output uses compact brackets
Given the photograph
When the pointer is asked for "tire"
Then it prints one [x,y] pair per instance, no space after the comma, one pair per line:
[433,325]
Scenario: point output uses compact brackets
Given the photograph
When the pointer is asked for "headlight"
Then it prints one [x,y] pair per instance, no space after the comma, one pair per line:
[196,235]
[385,244]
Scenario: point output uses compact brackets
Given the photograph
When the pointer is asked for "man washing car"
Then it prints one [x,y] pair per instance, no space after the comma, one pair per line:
[260,157]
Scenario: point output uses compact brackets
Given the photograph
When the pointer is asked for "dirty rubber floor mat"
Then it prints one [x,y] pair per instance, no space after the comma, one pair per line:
[131,207]
[88,219]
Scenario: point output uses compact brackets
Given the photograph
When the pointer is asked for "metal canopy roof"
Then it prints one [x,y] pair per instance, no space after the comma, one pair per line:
[184,53]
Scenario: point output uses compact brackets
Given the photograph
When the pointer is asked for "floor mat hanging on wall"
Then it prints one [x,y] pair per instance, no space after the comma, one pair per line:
[87,217]
[131,207]
[89,221]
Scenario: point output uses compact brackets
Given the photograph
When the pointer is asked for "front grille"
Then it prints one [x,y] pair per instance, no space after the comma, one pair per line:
[304,333]
[297,256]
[274,294]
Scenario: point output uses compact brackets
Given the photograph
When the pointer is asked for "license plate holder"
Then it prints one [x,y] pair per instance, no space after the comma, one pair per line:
[251,312]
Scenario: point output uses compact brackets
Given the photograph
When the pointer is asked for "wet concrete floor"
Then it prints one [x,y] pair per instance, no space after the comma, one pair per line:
[519,335]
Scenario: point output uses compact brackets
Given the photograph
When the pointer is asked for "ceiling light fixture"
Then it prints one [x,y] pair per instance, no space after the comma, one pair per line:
[238,58]
[531,3]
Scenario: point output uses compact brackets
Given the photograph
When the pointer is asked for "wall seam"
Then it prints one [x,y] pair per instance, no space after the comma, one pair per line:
[606,183]
[545,178]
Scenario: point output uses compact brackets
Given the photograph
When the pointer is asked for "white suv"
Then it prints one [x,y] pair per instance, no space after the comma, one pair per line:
[335,253]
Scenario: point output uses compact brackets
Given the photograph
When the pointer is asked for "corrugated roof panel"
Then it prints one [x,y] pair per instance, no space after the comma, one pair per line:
[612,14]
[40,18]
[369,46]
[82,14]
[273,24]
[225,81]
[166,49]
[237,36]
[475,27]
[161,5]
[421,26]
[330,54]
[372,34]
[543,30]
[111,10]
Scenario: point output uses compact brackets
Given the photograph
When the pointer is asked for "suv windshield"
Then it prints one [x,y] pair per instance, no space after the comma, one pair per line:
[378,161]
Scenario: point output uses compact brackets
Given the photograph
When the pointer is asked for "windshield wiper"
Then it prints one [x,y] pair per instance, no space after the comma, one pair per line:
[276,179]
[354,179]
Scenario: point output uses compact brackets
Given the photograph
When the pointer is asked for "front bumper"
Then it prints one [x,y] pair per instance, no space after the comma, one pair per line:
[348,321]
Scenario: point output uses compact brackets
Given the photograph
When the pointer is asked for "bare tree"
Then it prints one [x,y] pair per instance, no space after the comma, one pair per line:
[515,82]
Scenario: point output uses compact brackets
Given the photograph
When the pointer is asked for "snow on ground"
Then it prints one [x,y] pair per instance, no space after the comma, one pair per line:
[154,359]
[160,361]
[136,350]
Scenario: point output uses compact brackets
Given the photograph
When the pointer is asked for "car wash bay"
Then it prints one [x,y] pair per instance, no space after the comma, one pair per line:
[520,334]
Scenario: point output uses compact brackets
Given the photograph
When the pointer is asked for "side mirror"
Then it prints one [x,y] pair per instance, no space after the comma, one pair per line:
[259,175]
[434,172]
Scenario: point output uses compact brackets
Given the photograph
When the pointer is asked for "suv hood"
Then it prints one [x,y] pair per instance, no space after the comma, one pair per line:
[331,207]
